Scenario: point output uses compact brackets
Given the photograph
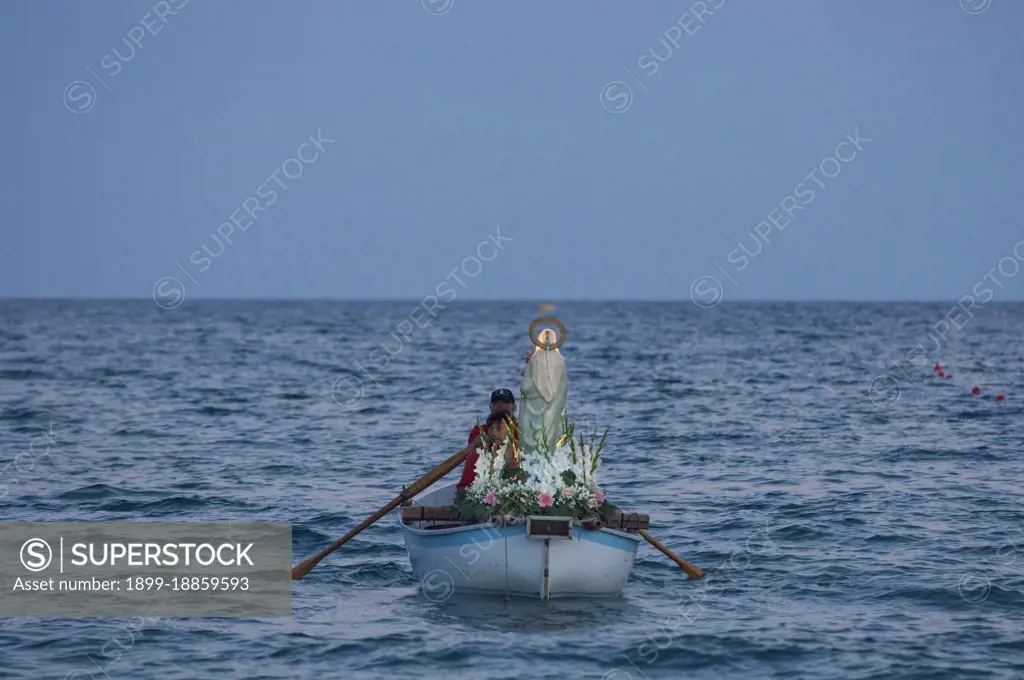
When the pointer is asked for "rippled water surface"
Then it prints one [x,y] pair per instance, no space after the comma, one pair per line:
[858,516]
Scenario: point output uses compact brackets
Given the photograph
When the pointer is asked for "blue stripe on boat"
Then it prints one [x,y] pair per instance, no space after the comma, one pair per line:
[443,538]
[604,538]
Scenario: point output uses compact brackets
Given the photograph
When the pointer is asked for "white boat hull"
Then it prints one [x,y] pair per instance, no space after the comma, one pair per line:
[488,559]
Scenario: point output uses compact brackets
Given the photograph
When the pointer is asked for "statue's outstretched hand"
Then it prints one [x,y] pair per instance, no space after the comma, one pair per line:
[527,355]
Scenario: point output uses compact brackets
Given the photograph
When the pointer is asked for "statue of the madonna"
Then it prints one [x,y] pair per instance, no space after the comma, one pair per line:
[544,391]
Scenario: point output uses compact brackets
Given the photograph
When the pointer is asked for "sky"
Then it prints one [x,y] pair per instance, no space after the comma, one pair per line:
[864,150]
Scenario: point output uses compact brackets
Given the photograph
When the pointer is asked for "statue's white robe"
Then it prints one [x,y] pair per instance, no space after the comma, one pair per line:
[544,391]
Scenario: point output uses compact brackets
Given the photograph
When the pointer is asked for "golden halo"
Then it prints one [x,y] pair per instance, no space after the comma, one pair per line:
[549,320]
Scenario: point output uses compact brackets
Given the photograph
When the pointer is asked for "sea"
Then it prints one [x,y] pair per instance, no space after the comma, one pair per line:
[858,509]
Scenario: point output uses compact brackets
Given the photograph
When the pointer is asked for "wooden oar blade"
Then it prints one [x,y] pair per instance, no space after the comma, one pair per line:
[692,570]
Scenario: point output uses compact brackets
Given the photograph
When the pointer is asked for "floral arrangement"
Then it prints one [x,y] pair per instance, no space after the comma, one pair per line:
[559,481]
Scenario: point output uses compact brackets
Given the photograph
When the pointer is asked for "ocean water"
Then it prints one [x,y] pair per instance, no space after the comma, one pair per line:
[858,516]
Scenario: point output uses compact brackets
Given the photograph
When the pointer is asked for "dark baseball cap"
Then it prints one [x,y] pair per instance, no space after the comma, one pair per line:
[503,395]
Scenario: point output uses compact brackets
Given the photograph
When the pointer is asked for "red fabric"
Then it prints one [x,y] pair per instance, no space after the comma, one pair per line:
[469,467]
[468,471]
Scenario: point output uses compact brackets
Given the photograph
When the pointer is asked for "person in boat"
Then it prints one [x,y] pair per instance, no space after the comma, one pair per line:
[495,432]
[502,402]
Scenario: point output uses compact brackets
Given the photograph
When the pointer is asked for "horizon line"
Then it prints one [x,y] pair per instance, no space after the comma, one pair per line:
[555,301]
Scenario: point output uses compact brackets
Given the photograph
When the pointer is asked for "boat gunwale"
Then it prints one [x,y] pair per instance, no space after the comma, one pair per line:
[447,531]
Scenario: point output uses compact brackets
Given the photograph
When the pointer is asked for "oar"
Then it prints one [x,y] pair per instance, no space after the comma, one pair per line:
[692,570]
[419,485]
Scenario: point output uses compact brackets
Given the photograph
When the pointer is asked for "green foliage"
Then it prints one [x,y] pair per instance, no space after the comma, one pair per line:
[514,475]
[521,501]
[607,512]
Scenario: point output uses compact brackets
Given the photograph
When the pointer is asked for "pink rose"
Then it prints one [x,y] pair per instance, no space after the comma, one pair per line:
[567,492]
[491,498]
[545,500]
[599,497]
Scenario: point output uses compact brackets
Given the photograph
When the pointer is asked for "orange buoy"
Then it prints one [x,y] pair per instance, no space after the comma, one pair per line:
[975,390]
[940,373]
[999,397]
[937,367]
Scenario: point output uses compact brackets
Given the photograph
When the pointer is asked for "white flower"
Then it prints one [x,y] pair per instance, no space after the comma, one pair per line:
[487,472]
[544,474]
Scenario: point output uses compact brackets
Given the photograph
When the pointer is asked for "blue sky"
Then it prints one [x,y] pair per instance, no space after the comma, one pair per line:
[452,119]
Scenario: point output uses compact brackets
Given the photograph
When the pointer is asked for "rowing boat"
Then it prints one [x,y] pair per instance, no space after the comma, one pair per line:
[533,521]
[543,556]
